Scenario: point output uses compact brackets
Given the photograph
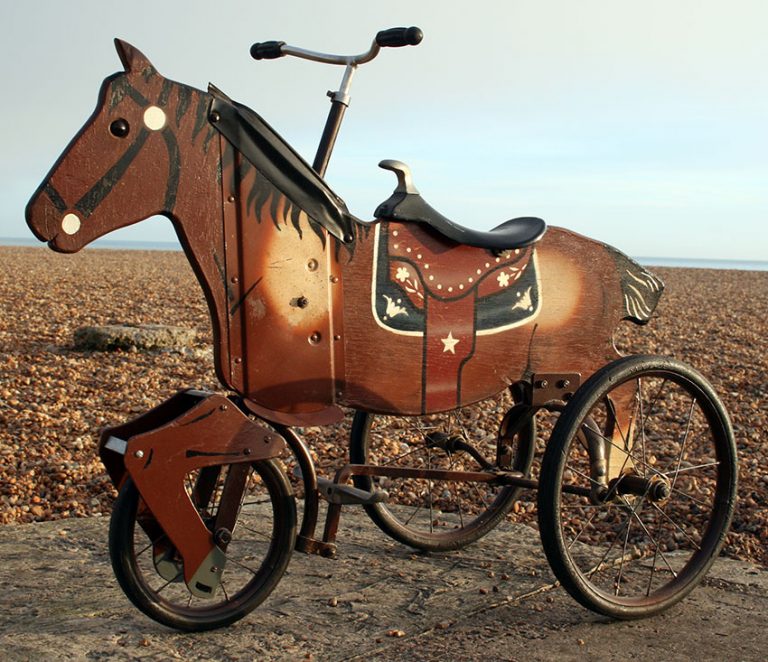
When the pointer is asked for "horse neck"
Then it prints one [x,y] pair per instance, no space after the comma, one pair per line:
[196,209]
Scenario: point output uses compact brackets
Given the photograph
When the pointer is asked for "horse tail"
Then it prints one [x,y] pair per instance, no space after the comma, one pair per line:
[640,288]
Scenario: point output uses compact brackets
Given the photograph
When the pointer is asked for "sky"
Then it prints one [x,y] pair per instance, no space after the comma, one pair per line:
[642,124]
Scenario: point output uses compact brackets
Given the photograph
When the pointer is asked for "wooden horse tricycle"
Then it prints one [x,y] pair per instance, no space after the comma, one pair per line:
[411,320]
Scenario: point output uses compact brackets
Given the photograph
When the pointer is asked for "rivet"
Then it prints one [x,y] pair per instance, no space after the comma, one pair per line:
[246,451]
[238,360]
[563,383]
[312,264]
[235,279]
[139,454]
[334,279]
[302,302]
[231,198]
[214,568]
[223,407]
[542,383]
[337,337]
[339,394]
[315,338]
[214,116]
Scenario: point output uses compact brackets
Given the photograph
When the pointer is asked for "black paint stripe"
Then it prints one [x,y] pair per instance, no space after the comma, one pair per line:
[469,356]
[165,92]
[185,97]
[424,358]
[120,88]
[174,169]
[101,188]
[54,197]
[242,299]
[223,276]
[201,117]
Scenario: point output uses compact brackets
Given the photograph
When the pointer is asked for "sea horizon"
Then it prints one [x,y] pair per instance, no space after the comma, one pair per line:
[648,261]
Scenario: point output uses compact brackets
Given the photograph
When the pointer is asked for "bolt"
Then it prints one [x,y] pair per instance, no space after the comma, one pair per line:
[139,454]
[223,536]
[563,383]
[246,451]
[214,116]
[542,383]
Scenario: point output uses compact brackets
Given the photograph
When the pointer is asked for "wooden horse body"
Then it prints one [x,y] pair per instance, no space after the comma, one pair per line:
[311,308]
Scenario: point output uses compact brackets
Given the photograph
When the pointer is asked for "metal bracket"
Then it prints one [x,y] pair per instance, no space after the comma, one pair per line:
[553,386]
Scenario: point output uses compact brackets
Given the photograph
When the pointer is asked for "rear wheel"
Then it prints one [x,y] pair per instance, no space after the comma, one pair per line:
[150,571]
[439,515]
[632,538]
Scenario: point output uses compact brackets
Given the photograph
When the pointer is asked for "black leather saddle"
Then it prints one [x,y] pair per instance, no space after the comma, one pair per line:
[406,204]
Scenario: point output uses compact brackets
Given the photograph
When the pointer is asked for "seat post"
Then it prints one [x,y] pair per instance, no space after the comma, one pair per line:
[339,104]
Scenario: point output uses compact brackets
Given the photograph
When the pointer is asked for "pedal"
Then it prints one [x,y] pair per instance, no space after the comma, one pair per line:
[347,495]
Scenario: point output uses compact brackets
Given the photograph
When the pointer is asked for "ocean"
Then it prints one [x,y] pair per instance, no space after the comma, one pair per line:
[694,263]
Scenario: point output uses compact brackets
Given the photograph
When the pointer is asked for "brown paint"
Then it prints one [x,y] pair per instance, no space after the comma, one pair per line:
[295,341]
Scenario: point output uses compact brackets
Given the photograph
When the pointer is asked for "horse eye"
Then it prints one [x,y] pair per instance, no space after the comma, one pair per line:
[119,128]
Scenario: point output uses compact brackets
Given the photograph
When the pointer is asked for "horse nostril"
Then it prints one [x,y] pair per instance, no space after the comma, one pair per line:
[119,128]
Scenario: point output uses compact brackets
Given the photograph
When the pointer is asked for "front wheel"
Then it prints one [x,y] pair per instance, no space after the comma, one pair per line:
[150,571]
[638,485]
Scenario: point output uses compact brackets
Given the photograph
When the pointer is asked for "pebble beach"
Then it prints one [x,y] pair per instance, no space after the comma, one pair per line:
[54,398]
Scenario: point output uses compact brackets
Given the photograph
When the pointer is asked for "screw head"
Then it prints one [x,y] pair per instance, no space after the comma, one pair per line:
[214,116]
[139,454]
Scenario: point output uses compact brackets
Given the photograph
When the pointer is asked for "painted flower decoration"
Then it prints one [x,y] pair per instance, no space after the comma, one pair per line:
[503,279]
[402,274]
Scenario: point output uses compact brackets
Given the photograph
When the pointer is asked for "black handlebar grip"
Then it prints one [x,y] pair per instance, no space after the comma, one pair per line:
[396,37]
[267,50]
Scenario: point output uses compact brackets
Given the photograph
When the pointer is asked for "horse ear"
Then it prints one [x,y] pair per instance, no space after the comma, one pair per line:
[133,59]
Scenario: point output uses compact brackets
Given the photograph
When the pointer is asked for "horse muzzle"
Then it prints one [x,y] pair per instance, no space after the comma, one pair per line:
[51,222]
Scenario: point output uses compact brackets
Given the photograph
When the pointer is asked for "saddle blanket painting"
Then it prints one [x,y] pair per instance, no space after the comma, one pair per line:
[448,296]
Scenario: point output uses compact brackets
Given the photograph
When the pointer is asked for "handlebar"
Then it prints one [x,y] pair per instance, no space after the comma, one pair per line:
[396,37]
[392,38]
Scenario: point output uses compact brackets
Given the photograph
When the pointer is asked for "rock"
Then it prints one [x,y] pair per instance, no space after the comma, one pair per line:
[139,336]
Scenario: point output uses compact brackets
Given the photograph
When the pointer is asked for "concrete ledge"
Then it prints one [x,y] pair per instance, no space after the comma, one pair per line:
[496,600]
[113,337]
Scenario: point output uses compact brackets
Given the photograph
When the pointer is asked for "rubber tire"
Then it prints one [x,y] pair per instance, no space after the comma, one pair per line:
[553,465]
[454,539]
[121,532]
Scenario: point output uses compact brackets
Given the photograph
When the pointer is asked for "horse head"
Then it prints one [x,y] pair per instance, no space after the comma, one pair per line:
[124,165]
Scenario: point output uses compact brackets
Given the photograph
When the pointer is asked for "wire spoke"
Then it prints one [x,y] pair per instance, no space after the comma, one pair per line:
[653,541]
[661,511]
